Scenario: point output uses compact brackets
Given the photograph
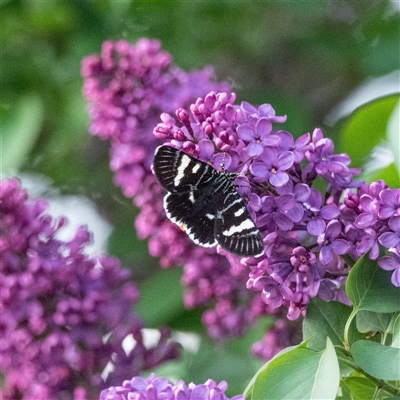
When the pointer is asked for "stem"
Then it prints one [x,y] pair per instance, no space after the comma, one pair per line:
[347,327]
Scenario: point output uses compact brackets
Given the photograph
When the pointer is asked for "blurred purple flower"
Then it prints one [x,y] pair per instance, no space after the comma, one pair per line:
[58,306]
[157,388]
[281,335]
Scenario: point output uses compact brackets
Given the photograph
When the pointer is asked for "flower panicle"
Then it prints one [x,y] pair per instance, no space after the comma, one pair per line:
[155,388]
[304,250]
[58,306]
[119,89]
[305,232]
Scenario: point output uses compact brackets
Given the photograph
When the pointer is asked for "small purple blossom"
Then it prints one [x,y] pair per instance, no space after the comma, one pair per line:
[272,166]
[158,388]
[391,239]
[369,216]
[317,214]
[390,203]
[276,211]
[334,290]
[298,147]
[263,111]
[331,243]
[392,263]
[257,137]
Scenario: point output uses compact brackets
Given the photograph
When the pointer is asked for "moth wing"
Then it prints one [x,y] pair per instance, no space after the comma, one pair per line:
[179,172]
[199,226]
[235,230]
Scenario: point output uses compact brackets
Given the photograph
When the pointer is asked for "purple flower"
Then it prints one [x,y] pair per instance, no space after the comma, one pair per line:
[302,259]
[58,306]
[158,388]
[390,205]
[298,305]
[369,241]
[273,293]
[272,166]
[330,242]
[370,208]
[392,239]
[317,215]
[392,263]
[275,212]
[298,147]
[265,110]
[257,137]
[278,190]
[280,336]
[334,290]
[321,154]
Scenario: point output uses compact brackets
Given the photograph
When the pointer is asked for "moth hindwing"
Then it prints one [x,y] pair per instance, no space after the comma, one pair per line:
[204,202]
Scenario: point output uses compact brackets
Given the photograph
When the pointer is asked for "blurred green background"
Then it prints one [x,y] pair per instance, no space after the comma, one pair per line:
[303,57]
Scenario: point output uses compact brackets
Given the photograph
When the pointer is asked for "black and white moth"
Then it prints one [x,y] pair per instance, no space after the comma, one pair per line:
[204,202]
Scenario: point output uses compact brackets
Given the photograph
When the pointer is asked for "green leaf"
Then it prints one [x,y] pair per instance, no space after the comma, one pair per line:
[326,319]
[367,128]
[161,297]
[368,321]
[360,388]
[221,363]
[299,373]
[382,362]
[393,135]
[396,333]
[19,130]
[248,391]
[369,288]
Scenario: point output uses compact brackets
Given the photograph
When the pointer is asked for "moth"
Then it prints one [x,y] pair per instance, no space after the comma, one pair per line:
[205,203]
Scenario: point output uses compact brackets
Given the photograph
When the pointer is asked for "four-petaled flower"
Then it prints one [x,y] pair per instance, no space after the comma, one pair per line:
[331,243]
[257,137]
[272,166]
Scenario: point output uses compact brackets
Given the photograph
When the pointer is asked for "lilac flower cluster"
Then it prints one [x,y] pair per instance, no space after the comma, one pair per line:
[281,335]
[311,239]
[157,388]
[128,86]
[63,315]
